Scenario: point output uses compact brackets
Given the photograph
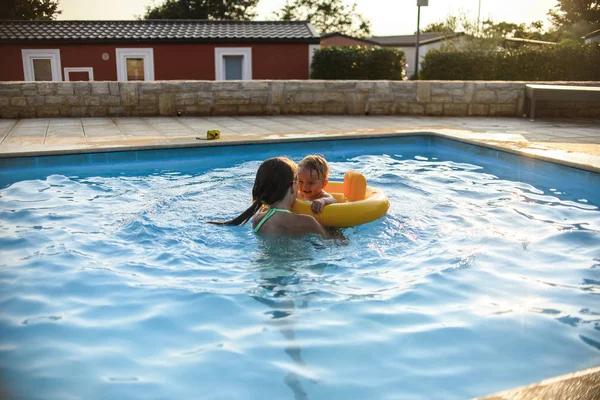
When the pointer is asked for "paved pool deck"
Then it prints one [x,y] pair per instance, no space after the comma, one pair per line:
[570,142]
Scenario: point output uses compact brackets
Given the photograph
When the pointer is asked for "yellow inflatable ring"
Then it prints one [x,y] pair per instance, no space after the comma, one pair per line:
[357,203]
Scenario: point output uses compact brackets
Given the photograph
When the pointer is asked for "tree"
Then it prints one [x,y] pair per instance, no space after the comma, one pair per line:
[490,30]
[454,23]
[239,10]
[569,12]
[574,18]
[534,30]
[489,36]
[449,25]
[327,16]
[29,10]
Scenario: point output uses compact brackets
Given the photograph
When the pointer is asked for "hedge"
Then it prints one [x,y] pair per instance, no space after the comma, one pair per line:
[551,63]
[358,63]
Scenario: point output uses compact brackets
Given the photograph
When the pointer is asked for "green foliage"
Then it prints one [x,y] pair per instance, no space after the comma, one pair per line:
[358,63]
[572,19]
[489,29]
[447,26]
[453,23]
[534,30]
[327,16]
[552,63]
[29,10]
[240,10]
[568,12]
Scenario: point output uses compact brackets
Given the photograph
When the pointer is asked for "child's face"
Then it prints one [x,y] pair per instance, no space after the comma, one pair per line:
[310,185]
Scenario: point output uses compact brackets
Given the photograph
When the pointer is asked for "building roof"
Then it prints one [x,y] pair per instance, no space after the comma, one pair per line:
[592,34]
[528,41]
[409,40]
[331,34]
[157,31]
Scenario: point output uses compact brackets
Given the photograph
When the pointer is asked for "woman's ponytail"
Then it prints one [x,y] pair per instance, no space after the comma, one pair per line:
[243,217]
[272,183]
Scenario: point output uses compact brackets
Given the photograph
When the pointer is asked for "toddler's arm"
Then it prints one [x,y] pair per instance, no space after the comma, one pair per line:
[318,204]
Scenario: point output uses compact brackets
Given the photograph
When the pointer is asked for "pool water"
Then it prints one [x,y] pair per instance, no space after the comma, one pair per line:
[484,275]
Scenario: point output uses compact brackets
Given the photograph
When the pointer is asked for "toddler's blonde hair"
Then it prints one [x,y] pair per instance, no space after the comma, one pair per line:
[315,162]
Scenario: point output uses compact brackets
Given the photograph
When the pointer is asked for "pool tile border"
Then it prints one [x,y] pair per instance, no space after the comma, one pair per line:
[586,162]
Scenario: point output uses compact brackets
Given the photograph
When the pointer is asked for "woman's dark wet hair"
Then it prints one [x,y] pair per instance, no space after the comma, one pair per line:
[273,179]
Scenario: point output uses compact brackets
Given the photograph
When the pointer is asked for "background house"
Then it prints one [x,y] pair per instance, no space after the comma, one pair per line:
[339,39]
[155,50]
[427,41]
[592,37]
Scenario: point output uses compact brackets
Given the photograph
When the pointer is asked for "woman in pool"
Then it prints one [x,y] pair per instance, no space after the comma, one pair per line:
[273,194]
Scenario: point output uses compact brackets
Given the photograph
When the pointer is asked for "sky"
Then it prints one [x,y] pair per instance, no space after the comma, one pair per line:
[388,17]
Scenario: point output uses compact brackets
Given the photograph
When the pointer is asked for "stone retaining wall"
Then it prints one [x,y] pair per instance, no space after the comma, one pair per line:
[167,98]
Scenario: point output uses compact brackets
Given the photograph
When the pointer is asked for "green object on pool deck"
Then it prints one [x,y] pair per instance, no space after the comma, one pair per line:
[213,134]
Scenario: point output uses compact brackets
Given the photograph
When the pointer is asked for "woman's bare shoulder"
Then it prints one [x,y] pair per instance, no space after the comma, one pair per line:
[304,218]
[308,224]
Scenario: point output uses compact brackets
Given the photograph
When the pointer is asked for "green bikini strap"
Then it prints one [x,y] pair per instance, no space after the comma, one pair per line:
[282,210]
[269,215]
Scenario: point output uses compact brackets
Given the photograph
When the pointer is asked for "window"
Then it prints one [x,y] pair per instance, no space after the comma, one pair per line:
[41,65]
[135,64]
[135,69]
[233,63]
[42,69]
[233,67]
[79,74]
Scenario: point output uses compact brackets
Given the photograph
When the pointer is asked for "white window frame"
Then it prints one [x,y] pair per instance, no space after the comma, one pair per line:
[145,53]
[29,55]
[89,70]
[221,52]
[311,54]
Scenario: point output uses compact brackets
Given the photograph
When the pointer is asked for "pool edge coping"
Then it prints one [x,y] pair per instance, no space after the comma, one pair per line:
[558,156]
[557,386]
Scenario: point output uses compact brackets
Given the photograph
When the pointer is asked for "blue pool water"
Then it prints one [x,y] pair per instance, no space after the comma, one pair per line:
[484,275]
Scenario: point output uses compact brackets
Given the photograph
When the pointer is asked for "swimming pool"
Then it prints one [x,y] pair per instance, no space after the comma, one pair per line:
[483,276]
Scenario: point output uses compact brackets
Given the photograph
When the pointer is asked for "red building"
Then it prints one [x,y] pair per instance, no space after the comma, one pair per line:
[155,50]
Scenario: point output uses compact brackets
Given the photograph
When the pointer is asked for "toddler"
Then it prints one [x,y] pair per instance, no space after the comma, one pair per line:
[313,174]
